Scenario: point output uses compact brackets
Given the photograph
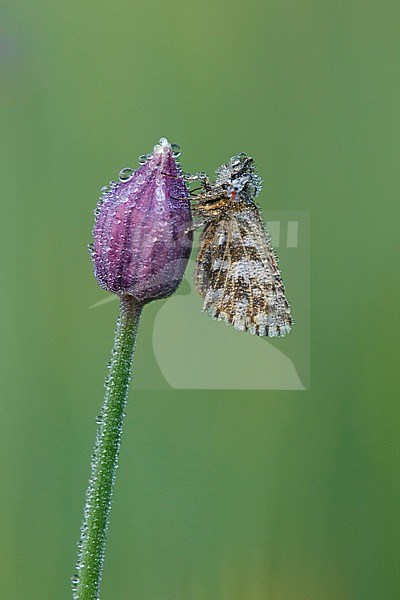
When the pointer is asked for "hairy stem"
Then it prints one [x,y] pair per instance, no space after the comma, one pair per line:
[86,582]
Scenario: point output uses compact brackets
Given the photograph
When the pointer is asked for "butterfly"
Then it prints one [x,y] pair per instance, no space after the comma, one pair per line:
[237,270]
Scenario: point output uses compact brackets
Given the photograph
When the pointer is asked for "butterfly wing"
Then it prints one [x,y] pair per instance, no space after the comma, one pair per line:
[238,276]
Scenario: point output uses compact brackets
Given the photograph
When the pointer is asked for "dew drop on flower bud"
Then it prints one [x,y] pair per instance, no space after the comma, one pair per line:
[125,174]
[176,150]
[142,160]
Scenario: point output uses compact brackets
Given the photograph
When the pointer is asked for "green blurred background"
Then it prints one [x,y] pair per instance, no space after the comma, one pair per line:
[221,495]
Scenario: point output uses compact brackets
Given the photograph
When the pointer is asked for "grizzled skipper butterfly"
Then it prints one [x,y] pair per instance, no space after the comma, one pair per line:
[237,270]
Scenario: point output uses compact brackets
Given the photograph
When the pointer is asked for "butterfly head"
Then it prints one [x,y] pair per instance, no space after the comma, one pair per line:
[239,177]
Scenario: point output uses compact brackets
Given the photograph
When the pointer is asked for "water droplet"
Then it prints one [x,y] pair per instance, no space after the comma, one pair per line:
[125,174]
[163,141]
[176,150]
[74,581]
[99,419]
[142,160]
[105,189]
[114,184]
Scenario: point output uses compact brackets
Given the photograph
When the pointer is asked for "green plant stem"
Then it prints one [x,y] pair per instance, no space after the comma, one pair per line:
[86,583]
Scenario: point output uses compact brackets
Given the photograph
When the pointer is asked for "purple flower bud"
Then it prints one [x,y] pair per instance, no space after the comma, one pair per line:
[143,229]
